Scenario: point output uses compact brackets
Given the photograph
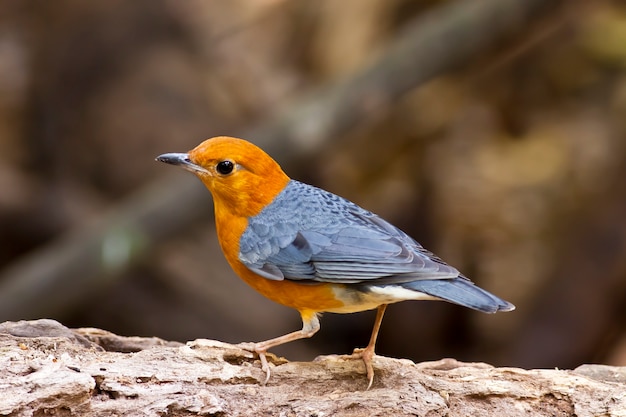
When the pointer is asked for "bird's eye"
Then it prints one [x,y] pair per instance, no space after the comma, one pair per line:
[225,167]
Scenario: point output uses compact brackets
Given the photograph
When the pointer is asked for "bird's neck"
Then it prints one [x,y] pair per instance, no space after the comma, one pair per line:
[236,202]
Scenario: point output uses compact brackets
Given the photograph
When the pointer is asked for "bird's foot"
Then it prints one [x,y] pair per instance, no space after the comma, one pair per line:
[367,356]
[262,353]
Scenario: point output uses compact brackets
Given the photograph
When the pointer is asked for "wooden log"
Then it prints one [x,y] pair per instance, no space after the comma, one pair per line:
[48,369]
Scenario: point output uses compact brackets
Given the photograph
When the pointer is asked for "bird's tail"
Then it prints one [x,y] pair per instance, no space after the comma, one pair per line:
[460,291]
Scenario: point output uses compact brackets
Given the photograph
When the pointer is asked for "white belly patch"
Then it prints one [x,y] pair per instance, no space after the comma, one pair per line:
[355,300]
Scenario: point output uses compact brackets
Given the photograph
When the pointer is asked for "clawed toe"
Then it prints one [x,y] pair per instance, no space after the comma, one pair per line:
[261,352]
[367,356]
[265,367]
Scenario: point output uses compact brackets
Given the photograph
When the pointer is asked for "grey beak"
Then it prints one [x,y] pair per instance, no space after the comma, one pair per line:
[182,160]
[174,158]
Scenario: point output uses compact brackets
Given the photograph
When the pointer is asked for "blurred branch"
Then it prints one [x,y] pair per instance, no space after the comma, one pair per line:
[80,262]
[429,46]
[87,258]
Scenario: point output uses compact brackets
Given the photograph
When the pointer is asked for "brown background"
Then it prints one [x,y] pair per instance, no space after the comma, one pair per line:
[510,166]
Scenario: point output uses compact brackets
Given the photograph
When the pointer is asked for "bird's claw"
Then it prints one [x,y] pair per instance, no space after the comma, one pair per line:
[265,367]
[262,354]
[367,356]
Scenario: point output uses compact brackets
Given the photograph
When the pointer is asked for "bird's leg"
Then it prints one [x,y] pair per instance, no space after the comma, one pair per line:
[310,326]
[367,354]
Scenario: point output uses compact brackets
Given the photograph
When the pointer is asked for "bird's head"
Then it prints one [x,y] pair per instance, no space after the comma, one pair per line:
[241,177]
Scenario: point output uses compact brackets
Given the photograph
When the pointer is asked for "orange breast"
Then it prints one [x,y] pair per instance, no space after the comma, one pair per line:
[311,297]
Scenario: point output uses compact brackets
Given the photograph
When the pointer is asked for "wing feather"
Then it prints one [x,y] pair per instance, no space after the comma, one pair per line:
[311,234]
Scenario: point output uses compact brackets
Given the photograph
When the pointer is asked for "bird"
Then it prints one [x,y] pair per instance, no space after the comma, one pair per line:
[314,251]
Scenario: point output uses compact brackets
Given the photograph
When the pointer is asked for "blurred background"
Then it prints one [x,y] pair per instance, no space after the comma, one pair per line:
[492,131]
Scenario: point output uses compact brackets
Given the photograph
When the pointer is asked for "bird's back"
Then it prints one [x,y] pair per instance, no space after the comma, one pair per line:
[310,235]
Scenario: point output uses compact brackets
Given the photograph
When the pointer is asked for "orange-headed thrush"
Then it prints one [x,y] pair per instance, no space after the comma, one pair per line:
[314,251]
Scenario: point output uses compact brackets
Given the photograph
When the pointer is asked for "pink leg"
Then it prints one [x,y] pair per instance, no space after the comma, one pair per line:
[310,326]
[367,354]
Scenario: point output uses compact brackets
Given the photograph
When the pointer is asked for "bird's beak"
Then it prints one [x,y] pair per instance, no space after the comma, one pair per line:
[182,160]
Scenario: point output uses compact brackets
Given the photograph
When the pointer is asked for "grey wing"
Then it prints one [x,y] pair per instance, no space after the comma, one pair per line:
[354,247]
[371,249]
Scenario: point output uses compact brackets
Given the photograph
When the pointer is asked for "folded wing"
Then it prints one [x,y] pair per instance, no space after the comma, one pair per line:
[332,240]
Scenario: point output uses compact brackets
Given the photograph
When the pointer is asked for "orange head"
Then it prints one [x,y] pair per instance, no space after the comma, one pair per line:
[241,177]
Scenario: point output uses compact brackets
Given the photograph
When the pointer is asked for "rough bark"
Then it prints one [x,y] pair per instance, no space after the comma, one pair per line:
[48,369]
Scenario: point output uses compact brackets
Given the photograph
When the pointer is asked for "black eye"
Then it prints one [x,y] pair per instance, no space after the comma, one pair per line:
[225,167]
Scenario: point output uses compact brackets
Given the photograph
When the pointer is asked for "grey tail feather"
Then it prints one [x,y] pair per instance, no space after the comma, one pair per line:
[460,291]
